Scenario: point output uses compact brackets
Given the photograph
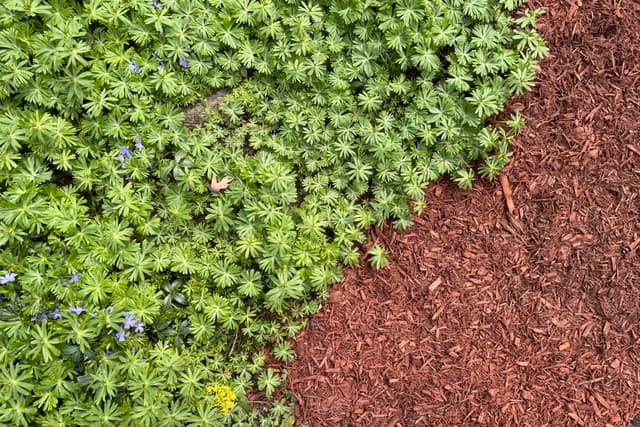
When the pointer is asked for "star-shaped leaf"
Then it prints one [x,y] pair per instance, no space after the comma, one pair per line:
[217,186]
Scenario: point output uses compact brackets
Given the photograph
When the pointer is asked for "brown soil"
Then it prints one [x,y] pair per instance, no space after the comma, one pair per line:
[196,115]
[495,319]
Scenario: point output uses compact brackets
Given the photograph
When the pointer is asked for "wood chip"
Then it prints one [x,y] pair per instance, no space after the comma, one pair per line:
[506,190]
[435,284]
[634,149]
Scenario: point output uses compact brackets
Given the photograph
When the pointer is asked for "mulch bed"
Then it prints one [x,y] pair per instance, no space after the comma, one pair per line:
[492,318]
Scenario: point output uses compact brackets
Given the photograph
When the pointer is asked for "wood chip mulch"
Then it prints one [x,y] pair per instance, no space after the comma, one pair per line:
[491,318]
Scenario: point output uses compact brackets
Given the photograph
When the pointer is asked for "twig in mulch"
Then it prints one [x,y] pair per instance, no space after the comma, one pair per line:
[508,195]
[634,149]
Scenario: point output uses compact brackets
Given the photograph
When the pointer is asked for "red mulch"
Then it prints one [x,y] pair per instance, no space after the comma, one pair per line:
[495,319]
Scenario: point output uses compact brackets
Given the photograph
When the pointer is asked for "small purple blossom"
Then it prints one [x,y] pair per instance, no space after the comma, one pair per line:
[160,60]
[75,278]
[9,309]
[134,67]
[184,62]
[77,310]
[110,309]
[139,328]
[42,316]
[157,5]
[55,314]
[139,145]
[121,336]
[125,151]
[7,278]
[130,321]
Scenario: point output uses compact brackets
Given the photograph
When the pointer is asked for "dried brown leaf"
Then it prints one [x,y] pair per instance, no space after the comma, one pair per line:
[217,186]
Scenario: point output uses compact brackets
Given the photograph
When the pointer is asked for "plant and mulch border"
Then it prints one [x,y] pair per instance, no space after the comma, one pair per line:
[516,303]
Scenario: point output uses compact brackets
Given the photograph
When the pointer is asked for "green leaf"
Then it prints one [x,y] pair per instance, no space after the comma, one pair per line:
[378,257]
[268,381]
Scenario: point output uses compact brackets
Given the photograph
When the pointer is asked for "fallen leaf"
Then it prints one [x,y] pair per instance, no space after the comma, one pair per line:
[216,186]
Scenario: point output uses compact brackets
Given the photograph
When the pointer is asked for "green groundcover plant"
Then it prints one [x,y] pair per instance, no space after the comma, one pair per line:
[151,273]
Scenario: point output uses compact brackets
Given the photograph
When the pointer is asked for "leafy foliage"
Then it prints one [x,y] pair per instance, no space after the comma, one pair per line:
[133,283]
[378,257]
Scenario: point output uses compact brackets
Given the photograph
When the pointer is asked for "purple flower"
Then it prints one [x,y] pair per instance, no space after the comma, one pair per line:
[139,145]
[110,309]
[121,336]
[160,60]
[125,151]
[55,314]
[139,328]
[41,316]
[157,5]
[7,278]
[10,309]
[75,278]
[131,321]
[77,310]
[184,62]
[134,67]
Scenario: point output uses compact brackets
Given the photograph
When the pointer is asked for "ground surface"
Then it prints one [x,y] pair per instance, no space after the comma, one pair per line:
[496,319]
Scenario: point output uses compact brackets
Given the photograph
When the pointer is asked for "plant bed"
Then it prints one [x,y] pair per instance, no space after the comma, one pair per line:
[491,318]
[158,255]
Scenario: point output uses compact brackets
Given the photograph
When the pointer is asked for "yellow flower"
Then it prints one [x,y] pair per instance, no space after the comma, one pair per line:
[223,397]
